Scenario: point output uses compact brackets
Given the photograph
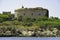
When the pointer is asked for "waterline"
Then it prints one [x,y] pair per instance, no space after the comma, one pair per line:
[29,38]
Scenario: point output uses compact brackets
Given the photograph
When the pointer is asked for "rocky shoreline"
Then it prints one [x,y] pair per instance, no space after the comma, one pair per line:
[30,33]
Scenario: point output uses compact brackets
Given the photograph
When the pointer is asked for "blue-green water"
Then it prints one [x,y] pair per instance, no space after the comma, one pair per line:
[29,38]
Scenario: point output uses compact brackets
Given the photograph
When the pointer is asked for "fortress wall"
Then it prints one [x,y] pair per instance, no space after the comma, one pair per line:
[31,13]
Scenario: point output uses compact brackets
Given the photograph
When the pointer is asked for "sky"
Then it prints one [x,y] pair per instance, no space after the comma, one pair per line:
[52,5]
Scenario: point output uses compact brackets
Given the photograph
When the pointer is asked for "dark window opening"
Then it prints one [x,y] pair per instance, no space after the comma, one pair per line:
[32,14]
[24,13]
[39,14]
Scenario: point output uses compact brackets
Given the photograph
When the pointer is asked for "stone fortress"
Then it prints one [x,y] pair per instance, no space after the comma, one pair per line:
[28,12]
[31,12]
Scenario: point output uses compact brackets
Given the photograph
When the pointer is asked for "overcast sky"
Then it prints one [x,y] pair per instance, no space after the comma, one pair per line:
[52,5]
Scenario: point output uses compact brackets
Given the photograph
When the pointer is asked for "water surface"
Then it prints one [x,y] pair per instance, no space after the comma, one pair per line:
[29,38]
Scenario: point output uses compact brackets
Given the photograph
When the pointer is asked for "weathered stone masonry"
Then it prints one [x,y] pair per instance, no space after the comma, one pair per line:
[31,12]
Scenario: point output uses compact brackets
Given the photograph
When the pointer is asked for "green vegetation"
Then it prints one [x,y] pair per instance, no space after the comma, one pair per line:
[9,27]
[4,17]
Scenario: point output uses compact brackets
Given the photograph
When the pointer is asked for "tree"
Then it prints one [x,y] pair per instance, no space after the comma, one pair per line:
[4,17]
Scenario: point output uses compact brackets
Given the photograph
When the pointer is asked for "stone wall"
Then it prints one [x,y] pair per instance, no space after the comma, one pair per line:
[30,12]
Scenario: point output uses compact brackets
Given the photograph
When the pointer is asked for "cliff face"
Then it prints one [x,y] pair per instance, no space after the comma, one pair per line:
[30,12]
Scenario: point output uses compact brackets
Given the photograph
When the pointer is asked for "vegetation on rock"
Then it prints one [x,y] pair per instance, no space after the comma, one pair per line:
[40,27]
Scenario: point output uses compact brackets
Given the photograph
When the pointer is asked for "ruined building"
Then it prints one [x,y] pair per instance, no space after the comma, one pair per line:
[31,12]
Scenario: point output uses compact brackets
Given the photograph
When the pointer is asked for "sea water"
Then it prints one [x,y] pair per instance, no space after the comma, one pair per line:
[29,38]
